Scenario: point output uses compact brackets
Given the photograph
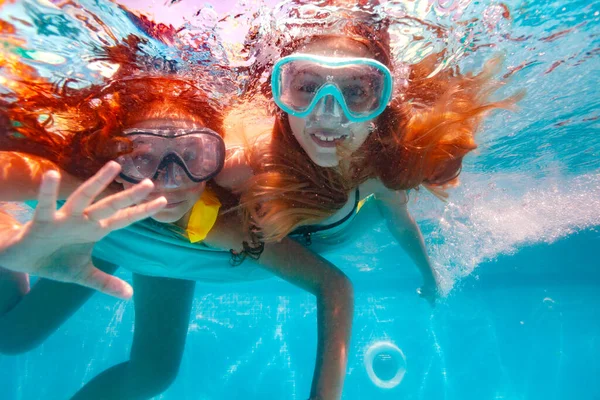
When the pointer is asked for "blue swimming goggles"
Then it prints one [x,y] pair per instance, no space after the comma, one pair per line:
[361,86]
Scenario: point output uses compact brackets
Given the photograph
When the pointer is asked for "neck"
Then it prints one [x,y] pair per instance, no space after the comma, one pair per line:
[183,221]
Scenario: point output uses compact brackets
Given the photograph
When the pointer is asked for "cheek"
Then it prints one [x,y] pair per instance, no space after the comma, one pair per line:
[297,125]
[360,133]
[194,194]
[193,197]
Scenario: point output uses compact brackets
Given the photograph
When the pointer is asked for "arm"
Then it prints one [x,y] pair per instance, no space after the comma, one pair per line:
[335,306]
[393,207]
[335,301]
[21,176]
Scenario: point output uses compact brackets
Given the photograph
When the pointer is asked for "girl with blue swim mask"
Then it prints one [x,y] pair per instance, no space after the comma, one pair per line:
[333,92]
[353,124]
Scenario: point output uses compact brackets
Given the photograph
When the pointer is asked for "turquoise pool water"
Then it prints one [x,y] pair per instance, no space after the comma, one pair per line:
[516,243]
[525,327]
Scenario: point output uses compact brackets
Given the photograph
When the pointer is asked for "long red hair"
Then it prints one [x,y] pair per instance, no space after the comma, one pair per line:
[79,129]
[420,139]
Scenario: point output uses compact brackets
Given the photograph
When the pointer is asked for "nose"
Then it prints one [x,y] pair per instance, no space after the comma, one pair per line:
[171,176]
[329,111]
[328,105]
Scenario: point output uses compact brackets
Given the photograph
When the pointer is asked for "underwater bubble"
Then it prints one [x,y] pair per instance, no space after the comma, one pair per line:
[385,364]
[454,8]
[548,302]
[208,15]
[494,14]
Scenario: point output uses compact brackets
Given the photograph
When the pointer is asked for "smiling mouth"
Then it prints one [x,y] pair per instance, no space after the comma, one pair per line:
[174,204]
[327,139]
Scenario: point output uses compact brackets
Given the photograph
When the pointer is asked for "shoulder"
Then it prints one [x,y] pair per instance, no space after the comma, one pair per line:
[377,188]
[22,174]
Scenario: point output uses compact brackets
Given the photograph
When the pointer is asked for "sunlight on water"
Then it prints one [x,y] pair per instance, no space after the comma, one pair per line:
[78,31]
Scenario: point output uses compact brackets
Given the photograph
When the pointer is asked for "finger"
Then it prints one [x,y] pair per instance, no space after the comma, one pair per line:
[47,197]
[108,206]
[87,192]
[105,283]
[134,214]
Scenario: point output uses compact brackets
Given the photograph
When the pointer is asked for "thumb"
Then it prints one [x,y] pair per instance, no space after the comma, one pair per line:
[105,283]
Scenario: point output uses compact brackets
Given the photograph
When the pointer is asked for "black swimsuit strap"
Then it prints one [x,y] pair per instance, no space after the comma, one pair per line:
[310,229]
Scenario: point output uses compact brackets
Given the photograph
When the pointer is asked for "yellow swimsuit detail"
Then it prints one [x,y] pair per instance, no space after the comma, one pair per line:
[203,217]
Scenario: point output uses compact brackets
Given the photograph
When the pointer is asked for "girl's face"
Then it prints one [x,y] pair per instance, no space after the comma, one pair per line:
[322,131]
[181,194]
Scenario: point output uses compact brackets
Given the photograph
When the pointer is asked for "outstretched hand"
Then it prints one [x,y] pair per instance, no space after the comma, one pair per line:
[431,290]
[57,244]
[429,293]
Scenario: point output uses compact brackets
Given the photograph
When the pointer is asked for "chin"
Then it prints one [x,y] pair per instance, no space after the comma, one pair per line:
[326,162]
[170,216]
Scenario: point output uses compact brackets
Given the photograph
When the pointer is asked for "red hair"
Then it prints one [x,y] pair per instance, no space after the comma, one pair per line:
[420,139]
[80,129]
